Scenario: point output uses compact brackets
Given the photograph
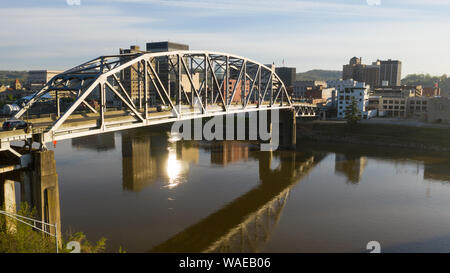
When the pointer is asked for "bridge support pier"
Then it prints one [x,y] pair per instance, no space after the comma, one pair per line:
[288,127]
[8,200]
[44,181]
[38,187]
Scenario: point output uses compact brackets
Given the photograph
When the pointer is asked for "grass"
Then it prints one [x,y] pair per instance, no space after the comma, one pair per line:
[383,132]
[16,237]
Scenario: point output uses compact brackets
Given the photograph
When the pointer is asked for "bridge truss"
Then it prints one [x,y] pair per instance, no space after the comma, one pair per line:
[190,84]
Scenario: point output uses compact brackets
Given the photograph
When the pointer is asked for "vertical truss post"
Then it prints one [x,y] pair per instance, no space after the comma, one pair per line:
[192,90]
[179,83]
[139,78]
[271,88]
[259,87]
[146,91]
[206,81]
[168,79]
[102,105]
[244,83]
[227,80]
[58,106]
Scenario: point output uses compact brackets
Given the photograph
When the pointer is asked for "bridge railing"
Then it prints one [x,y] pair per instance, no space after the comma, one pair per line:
[208,81]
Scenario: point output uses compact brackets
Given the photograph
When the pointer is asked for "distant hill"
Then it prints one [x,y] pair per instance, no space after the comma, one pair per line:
[9,77]
[426,80]
[318,74]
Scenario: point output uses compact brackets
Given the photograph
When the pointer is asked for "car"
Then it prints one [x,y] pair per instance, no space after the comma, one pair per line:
[10,125]
[161,108]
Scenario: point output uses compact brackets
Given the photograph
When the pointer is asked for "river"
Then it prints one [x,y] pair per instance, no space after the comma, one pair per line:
[146,191]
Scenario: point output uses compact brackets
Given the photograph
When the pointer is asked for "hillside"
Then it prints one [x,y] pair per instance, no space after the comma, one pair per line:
[9,77]
[426,80]
[318,74]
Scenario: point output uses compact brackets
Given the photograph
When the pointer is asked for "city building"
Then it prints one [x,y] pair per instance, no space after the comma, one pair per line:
[165,46]
[371,74]
[391,72]
[379,73]
[392,107]
[17,85]
[315,92]
[349,90]
[439,110]
[431,91]
[38,78]
[287,75]
[129,77]
[239,92]
[417,108]
[161,65]
[403,91]
[356,70]
[300,87]
[353,70]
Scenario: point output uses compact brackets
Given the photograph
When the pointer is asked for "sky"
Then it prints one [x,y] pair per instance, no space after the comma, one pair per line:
[310,34]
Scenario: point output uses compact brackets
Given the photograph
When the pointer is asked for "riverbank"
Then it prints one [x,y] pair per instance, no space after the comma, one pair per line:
[387,135]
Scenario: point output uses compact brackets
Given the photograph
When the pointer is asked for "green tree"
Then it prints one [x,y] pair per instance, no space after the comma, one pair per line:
[353,115]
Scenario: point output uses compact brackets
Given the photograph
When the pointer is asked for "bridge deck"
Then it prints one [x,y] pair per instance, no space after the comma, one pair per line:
[83,124]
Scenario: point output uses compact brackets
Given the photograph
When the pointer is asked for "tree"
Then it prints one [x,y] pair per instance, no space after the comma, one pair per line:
[353,115]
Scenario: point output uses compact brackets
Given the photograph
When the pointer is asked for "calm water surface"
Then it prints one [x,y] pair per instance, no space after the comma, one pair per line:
[147,192]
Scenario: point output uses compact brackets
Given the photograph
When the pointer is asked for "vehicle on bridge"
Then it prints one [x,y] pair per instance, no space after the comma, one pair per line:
[161,108]
[11,125]
[207,84]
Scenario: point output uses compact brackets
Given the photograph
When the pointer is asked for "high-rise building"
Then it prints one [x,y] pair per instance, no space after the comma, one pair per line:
[165,46]
[38,78]
[391,72]
[380,73]
[287,75]
[353,70]
[372,74]
[162,63]
[130,76]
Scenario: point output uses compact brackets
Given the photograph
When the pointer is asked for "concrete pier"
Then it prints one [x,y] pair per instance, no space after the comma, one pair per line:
[38,187]
[288,126]
[45,193]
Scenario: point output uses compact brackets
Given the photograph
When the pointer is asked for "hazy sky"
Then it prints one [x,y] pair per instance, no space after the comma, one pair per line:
[59,34]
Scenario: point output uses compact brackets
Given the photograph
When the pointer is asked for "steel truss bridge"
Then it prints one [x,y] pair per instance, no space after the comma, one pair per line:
[190,84]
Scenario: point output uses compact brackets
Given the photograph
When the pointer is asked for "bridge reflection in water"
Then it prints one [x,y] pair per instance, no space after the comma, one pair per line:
[244,224]
[149,159]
